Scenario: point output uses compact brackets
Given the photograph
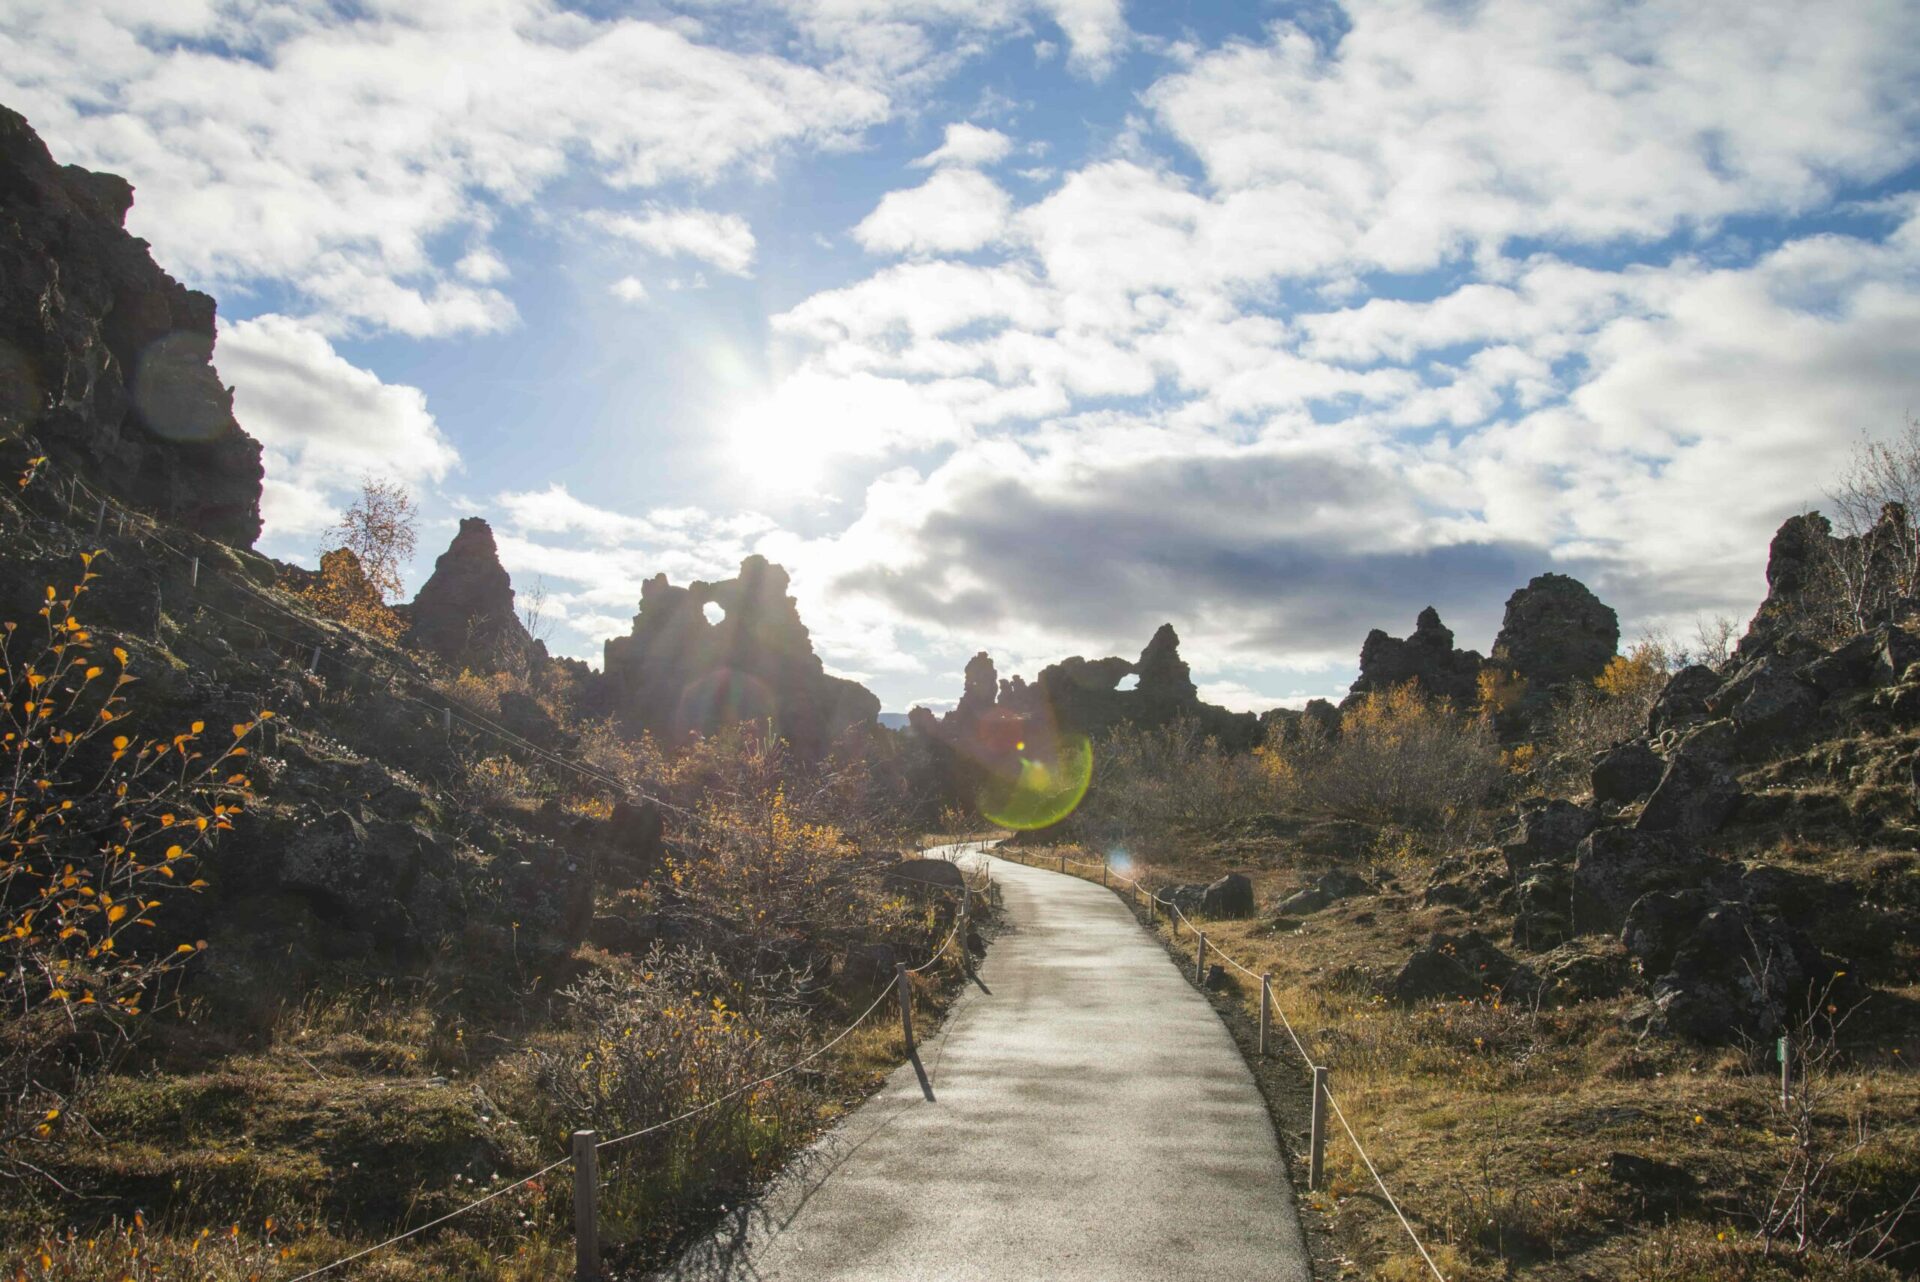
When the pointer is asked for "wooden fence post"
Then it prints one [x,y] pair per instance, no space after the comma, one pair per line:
[1200,958]
[586,1206]
[1317,1146]
[446,721]
[906,1002]
[1063,863]
[1266,1004]
[314,664]
[100,519]
[193,574]
[960,936]
[1786,1070]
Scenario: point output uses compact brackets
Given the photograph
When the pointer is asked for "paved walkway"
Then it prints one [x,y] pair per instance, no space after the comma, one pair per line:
[1094,1123]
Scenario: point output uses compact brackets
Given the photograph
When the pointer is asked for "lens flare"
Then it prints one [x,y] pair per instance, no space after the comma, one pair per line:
[1045,786]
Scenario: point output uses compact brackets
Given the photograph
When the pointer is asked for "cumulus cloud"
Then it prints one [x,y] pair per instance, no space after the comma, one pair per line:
[721,240]
[1173,410]
[330,155]
[969,146]
[955,211]
[324,422]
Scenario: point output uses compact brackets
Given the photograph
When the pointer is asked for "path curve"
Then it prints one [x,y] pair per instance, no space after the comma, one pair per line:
[1094,1122]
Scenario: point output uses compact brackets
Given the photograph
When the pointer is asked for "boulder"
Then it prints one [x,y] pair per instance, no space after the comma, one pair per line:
[1626,772]
[1582,970]
[1695,797]
[1775,706]
[1737,977]
[1460,967]
[1851,665]
[1230,896]
[925,876]
[391,879]
[1470,888]
[1556,633]
[1800,600]
[1616,866]
[1328,890]
[1659,923]
[1683,699]
[1548,832]
[107,360]
[1540,908]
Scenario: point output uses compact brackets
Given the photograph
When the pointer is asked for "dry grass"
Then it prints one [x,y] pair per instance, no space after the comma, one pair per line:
[1495,1124]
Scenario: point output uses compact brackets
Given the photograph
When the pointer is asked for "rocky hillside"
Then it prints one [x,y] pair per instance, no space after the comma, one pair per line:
[391,956]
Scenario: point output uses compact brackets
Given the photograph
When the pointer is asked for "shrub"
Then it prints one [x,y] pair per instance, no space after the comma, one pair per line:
[341,591]
[1399,757]
[100,831]
[680,1035]
[1169,779]
[1591,719]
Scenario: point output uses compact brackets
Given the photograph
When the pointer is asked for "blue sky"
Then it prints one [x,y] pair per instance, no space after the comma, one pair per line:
[1031,324]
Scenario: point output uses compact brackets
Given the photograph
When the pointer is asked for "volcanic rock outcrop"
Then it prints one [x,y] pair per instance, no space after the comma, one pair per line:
[1083,696]
[104,358]
[679,673]
[1556,633]
[464,612]
[1427,657]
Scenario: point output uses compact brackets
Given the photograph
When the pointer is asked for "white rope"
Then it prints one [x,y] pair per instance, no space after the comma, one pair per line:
[360,1255]
[646,1130]
[739,1090]
[1384,1192]
[478,723]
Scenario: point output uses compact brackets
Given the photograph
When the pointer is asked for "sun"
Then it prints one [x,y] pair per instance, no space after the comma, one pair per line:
[771,444]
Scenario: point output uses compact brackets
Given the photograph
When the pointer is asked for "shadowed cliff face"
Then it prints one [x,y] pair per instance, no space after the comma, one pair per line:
[104,358]
[680,673]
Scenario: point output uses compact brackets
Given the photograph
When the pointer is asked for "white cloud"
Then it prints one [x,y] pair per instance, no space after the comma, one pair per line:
[324,422]
[1096,32]
[955,211]
[1431,130]
[723,240]
[629,289]
[967,146]
[329,155]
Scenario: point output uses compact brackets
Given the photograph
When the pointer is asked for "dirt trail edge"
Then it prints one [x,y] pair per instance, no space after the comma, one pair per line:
[1094,1120]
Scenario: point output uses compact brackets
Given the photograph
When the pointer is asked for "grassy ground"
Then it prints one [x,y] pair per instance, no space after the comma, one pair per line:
[1497,1126]
[370,1110]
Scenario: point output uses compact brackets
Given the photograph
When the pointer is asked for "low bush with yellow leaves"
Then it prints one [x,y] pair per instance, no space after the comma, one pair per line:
[1399,757]
[101,827]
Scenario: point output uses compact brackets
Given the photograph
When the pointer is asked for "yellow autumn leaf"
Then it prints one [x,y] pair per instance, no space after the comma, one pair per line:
[116,912]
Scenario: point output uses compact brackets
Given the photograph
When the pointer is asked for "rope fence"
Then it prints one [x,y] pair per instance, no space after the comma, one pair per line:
[586,1145]
[1323,1097]
[584,1154]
